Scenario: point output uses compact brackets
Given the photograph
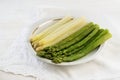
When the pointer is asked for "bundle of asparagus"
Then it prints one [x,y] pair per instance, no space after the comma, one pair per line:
[69,40]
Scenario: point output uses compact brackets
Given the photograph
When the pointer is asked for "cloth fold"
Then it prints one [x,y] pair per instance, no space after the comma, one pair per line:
[20,60]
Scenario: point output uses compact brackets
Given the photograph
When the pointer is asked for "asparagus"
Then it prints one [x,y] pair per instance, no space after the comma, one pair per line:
[44,54]
[60,59]
[62,33]
[76,40]
[41,53]
[81,47]
[74,35]
[94,30]
[51,29]
[69,38]
[76,45]
[80,43]
[74,51]
[101,38]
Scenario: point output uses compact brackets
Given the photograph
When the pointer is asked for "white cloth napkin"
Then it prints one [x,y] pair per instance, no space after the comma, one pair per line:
[19,60]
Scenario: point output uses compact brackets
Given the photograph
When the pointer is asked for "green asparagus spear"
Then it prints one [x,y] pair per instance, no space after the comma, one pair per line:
[80,43]
[45,54]
[41,53]
[57,57]
[81,47]
[101,38]
[60,58]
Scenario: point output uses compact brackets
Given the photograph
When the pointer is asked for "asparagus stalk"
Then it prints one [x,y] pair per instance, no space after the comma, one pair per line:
[62,33]
[60,58]
[101,38]
[41,53]
[95,28]
[44,55]
[51,29]
[76,47]
[69,38]
[81,47]
[80,43]
[74,35]
[77,39]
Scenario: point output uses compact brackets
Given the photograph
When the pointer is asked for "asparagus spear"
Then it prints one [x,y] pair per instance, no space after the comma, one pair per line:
[95,28]
[81,47]
[51,29]
[43,53]
[74,35]
[101,38]
[69,38]
[62,33]
[60,58]
[77,39]
[77,47]
[80,43]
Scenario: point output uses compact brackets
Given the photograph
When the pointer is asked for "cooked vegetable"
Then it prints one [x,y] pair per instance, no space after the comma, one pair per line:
[50,29]
[83,33]
[76,50]
[79,48]
[101,38]
[74,35]
[69,40]
[59,34]
[83,41]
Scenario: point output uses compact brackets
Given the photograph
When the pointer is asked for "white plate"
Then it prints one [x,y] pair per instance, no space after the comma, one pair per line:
[91,17]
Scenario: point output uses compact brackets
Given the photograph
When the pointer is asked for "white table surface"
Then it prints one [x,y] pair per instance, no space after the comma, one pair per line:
[16,14]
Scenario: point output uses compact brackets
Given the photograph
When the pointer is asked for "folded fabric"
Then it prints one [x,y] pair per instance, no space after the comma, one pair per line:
[20,60]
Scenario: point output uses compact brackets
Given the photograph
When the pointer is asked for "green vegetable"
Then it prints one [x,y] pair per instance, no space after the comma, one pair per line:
[44,54]
[60,59]
[74,35]
[101,38]
[77,39]
[67,41]
[80,43]
[76,45]
[81,47]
